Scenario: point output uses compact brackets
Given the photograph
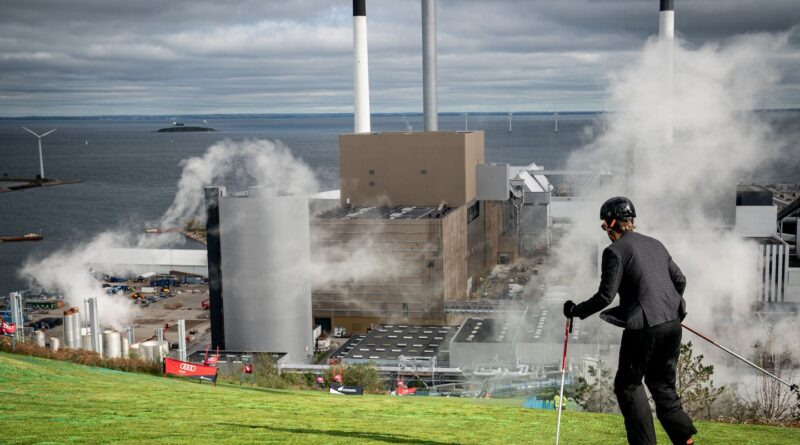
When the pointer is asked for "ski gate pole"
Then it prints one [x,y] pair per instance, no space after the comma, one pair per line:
[791,387]
[567,330]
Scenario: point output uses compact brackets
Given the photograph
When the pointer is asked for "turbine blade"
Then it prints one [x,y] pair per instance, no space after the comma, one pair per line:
[31,132]
[47,133]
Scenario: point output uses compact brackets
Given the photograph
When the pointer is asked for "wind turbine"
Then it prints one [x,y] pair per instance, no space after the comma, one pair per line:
[466,121]
[509,122]
[555,117]
[39,137]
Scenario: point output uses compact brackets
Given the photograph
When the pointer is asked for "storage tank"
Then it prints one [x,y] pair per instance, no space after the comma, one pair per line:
[265,259]
[125,348]
[111,344]
[69,329]
[134,349]
[153,351]
[86,339]
[76,328]
[55,343]
[39,338]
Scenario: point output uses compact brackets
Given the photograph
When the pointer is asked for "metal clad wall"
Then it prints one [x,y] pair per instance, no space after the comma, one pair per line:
[265,268]
[214,267]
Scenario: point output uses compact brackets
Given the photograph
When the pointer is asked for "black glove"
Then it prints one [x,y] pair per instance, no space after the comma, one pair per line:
[569,307]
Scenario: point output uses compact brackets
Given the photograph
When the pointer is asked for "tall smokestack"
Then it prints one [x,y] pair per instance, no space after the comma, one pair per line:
[666,33]
[429,65]
[666,20]
[360,67]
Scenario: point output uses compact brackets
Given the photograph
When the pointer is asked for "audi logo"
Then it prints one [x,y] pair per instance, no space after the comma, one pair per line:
[188,367]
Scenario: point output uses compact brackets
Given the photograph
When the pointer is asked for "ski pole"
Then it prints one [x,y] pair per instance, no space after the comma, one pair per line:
[791,387]
[567,330]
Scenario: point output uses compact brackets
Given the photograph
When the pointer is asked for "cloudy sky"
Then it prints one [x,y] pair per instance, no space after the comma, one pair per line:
[90,57]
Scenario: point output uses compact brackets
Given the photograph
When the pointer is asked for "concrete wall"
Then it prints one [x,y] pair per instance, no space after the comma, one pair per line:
[419,169]
[756,220]
[493,182]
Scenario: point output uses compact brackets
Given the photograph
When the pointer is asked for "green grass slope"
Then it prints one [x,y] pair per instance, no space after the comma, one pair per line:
[55,402]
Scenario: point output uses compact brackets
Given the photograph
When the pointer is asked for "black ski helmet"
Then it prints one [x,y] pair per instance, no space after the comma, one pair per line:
[617,208]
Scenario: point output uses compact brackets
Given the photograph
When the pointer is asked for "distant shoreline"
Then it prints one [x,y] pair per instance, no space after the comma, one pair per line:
[209,117]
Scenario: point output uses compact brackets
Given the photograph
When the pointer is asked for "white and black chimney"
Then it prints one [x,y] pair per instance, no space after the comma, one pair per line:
[360,68]
[666,19]
[666,33]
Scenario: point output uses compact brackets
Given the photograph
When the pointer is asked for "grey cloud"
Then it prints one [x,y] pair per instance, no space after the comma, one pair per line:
[145,56]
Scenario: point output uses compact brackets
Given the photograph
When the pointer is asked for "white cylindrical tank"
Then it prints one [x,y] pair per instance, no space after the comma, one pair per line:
[146,349]
[153,350]
[86,340]
[55,343]
[125,348]
[134,349]
[39,338]
[69,339]
[76,328]
[111,344]
[265,254]
[164,350]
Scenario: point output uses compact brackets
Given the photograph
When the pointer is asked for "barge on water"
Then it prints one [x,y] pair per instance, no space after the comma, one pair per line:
[26,237]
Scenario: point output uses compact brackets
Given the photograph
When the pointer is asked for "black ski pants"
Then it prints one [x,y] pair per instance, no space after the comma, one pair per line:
[651,354]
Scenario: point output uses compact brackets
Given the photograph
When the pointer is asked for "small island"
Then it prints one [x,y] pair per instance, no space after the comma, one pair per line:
[21,183]
[183,129]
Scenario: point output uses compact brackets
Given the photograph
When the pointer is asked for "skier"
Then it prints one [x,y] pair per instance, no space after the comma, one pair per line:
[651,307]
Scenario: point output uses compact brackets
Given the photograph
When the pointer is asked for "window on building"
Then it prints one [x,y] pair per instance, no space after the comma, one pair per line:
[423,172]
[430,264]
[372,172]
[473,212]
[405,310]
[372,183]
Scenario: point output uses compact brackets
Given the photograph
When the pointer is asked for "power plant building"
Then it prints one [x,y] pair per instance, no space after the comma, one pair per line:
[408,201]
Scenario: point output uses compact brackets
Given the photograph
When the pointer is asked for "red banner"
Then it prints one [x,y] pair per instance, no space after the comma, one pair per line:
[7,328]
[186,369]
[403,391]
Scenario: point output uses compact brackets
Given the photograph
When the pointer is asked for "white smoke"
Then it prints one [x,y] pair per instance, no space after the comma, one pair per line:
[684,191]
[254,162]
[68,272]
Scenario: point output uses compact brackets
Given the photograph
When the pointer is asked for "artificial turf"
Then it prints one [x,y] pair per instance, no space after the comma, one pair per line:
[44,401]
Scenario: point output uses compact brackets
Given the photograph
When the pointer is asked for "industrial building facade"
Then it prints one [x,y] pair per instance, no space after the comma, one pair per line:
[408,201]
